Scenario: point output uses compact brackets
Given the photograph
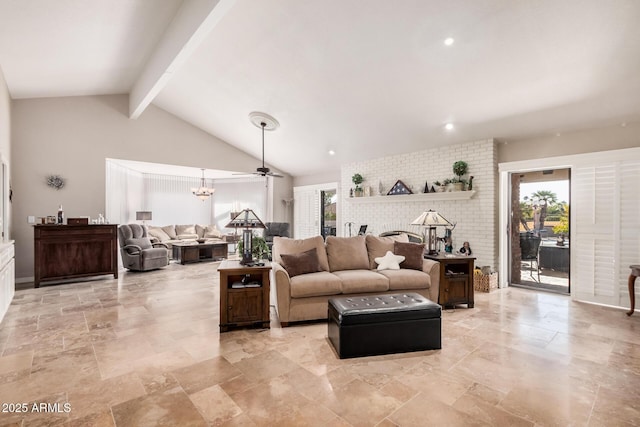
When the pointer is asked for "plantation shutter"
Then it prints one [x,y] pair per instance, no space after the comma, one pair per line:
[306,211]
[629,226]
[606,229]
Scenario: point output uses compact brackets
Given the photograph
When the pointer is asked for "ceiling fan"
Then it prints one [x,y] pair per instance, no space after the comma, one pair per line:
[265,122]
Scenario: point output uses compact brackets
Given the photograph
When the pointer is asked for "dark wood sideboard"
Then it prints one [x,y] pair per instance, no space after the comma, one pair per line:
[71,251]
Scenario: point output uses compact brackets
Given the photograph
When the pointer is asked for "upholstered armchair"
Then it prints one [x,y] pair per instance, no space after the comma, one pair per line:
[137,250]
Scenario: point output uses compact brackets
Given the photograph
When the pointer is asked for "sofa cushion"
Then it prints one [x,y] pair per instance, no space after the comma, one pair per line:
[171,231]
[143,242]
[158,233]
[347,253]
[413,254]
[302,263]
[208,232]
[406,279]
[360,281]
[285,245]
[378,246]
[193,236]
[315,284]
[212,232]
[186,229]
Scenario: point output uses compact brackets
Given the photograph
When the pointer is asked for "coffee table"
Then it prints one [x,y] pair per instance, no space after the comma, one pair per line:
[187,252]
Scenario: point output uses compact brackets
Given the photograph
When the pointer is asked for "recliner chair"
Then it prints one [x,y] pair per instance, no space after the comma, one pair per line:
[273,229]
[137,250]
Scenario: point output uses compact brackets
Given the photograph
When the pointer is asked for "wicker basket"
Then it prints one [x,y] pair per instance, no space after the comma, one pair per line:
[484,282]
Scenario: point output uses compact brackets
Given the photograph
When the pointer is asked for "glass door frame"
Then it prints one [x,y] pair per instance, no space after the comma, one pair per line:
[505,171]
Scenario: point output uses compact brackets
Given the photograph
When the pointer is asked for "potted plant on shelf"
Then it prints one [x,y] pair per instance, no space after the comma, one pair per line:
[357,180]
[438,186]
[460,168]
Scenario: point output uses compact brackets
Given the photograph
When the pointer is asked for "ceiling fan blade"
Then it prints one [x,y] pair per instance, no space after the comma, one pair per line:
[275,175]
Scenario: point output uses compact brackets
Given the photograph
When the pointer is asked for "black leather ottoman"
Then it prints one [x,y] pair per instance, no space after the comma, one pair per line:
[383,324]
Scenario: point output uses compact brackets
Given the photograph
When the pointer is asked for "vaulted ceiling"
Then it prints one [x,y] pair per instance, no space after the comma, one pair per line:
[363,78]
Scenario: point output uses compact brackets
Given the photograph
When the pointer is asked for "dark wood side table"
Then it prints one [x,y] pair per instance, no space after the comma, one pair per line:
[635,272]
[244,295]
[456,279]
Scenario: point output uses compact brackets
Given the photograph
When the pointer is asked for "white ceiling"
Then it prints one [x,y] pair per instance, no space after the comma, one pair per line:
[365,78]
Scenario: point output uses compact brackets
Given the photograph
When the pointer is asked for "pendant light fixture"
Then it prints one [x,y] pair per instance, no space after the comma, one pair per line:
[204,192]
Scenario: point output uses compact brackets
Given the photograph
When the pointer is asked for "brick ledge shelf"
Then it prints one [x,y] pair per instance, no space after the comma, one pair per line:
[451,195]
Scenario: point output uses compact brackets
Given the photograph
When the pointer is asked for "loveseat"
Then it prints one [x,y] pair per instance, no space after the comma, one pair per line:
[308,272]
[170,234]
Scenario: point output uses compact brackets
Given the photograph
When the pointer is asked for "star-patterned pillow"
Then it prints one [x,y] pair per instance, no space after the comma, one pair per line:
[389,261]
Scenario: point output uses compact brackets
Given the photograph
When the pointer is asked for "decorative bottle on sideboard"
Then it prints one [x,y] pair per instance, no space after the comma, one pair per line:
[60,215]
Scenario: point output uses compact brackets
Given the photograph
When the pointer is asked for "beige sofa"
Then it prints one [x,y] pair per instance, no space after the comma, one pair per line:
[344,266]
[170,234]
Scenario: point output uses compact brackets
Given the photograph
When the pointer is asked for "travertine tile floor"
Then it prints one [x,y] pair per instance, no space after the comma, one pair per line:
[144,350]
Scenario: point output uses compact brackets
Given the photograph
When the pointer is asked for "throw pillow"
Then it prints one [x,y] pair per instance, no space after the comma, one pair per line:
[143,242]
[347,253]
[170,230]
[389,262]
[211,232]
[413,254]
[302,263]
[378,246]
[158,233]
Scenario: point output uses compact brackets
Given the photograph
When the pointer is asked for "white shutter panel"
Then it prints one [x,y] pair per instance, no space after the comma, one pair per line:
[606,234]
[629,227]
[305,213]
[594,204]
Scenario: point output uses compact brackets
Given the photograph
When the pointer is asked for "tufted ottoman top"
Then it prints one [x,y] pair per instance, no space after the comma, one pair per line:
[382,308]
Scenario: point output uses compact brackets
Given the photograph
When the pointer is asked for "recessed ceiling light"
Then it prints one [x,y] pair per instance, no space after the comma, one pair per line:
[332,153]
[448,126]
[448,41]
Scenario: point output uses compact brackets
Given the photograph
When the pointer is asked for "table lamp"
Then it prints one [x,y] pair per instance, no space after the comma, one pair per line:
[143,216]
[248,220]
[431,219]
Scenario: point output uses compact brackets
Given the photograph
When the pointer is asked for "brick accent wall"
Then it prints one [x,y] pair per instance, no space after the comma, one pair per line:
[476,218]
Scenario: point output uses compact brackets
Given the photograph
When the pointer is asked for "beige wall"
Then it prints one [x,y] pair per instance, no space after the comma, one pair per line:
[586,141]
[72,136]
[5,145]
[330,176]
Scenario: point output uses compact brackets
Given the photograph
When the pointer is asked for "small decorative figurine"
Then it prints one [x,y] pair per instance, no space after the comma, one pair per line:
[465,249]
[448,245]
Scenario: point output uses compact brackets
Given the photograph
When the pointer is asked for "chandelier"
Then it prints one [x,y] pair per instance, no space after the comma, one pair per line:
[204,192]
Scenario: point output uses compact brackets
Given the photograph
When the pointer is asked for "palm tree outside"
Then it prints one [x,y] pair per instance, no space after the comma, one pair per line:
[544,199]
